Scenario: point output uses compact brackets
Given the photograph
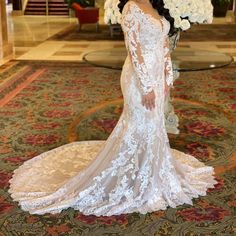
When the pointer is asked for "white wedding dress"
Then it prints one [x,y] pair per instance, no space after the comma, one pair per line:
[134,170]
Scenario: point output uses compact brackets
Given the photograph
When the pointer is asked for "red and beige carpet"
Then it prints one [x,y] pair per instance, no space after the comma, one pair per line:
[46,104]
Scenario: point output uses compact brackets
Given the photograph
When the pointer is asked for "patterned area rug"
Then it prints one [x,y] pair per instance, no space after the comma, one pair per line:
[197,33]
[46,104]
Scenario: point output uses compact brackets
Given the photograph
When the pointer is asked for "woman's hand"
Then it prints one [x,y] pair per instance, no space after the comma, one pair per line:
[148,100]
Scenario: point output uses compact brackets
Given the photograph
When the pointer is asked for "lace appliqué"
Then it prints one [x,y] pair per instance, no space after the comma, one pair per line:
[131,27]
[169,75]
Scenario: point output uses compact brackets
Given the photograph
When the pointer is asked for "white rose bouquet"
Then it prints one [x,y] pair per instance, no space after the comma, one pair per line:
[187,12]
[112,14]
[184,12]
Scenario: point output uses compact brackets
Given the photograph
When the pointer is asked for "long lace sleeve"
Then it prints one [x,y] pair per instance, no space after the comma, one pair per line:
[168,64]
[131,29]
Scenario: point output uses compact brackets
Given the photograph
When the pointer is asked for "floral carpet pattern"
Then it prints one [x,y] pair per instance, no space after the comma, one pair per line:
[46,104]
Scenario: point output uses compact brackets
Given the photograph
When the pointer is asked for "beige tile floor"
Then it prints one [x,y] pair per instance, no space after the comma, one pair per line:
[29,32]
[30,36]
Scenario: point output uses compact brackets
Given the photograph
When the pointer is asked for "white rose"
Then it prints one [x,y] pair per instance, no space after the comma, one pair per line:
[106,19]
[109,12]
[209,20]
[193,18]
[182,8]
[185,25]
[177,22]
[175,12]
[119,19]
[114,4]
[113,19]
[108,4]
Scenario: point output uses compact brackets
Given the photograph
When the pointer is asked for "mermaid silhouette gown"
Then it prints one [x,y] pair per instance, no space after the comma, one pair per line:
[134,170]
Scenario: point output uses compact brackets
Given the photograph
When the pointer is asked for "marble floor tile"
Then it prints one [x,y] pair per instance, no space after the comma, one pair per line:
[65,58]
[75,45]
[64,53]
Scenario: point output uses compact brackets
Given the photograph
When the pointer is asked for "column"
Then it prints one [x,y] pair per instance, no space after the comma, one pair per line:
[234,8]
[6,48]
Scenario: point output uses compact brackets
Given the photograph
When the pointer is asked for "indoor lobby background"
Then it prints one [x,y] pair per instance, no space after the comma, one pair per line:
[31,35]
[60,84]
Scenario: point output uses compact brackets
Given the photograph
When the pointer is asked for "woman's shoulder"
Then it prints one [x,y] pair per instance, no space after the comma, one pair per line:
[131,5]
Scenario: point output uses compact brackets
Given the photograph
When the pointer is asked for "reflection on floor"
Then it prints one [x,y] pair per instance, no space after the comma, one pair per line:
[28,32]
[54,50]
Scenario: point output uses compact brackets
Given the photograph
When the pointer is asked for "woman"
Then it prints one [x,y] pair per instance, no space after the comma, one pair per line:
[134,170]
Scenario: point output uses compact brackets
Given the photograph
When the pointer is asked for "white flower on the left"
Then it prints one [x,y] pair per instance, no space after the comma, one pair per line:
[112,14]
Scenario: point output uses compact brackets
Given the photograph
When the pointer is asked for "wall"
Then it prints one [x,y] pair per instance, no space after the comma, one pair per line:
[6,48]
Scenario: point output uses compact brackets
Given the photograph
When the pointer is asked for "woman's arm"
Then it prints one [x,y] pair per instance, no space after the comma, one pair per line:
[169,78]
[131,28]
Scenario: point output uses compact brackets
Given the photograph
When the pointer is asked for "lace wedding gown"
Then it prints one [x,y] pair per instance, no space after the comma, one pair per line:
[134,170]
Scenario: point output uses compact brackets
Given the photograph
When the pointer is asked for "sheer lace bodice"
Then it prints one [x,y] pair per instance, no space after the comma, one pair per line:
[134,170]
[146,39]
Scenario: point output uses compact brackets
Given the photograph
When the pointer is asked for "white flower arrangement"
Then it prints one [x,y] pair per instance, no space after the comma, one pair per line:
[112,14]
[184,12]
[187,12]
